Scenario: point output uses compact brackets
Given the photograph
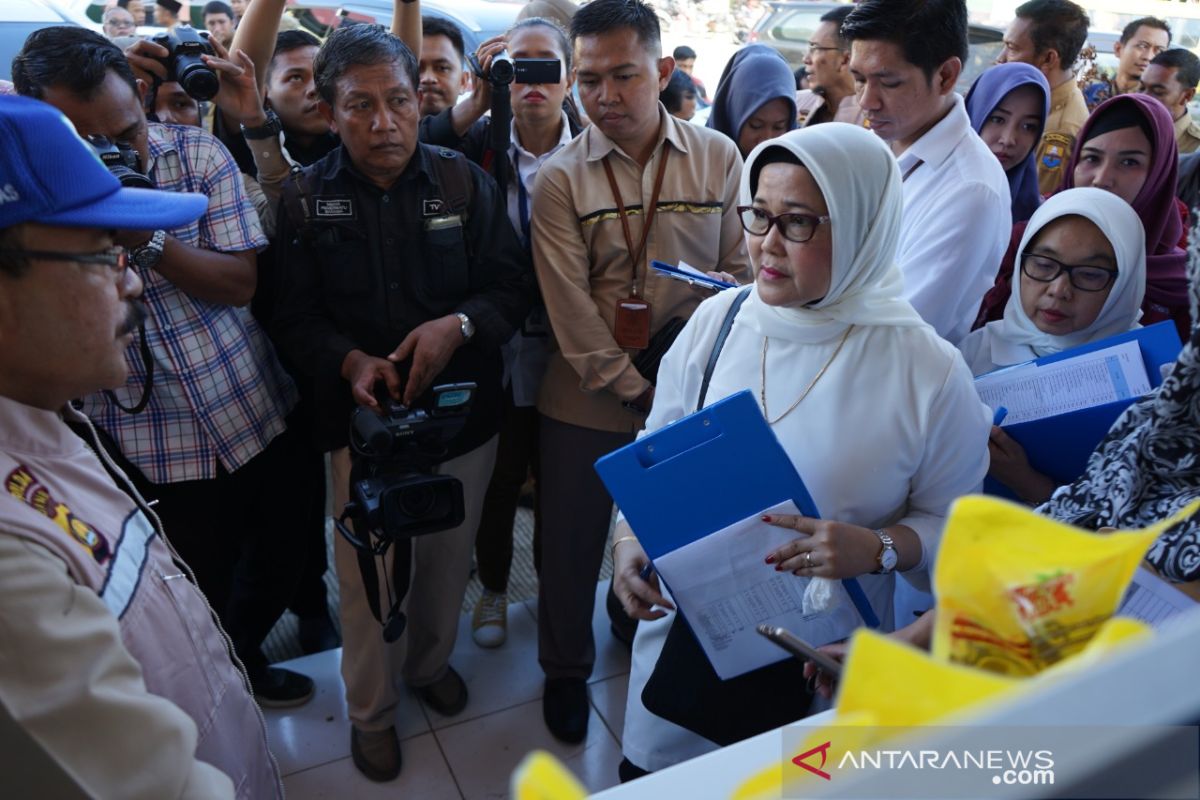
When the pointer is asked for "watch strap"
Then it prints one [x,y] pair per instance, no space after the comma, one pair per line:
[886,543]
[150,253]
[267,130]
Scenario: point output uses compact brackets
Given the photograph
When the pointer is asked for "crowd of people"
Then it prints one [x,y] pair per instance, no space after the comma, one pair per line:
[191,320]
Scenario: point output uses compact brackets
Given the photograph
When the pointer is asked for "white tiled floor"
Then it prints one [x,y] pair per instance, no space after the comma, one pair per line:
[469,756]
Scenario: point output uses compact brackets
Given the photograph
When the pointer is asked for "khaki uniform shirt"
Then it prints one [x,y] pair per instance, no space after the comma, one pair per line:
[1187,133]
[584,266]
[1068,112]
[811,109]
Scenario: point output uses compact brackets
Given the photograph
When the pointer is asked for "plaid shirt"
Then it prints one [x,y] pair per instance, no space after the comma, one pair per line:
[219,393]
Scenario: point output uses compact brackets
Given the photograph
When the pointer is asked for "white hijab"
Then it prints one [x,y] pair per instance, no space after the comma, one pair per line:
[860,180]
[1016,339]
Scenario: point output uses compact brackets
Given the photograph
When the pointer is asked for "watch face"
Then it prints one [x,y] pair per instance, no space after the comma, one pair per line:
[889,558]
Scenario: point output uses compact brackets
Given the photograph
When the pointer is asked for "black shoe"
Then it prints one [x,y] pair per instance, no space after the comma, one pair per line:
[448,696]
[275,687]
[376,754]
[623,626]
[565,708]
[317,634]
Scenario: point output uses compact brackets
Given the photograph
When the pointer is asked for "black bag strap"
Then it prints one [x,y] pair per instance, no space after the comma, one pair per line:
[719,344]
[454,180]
[297,202]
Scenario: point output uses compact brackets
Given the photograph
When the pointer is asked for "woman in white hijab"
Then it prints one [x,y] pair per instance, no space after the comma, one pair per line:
[1083,275]
[877,412]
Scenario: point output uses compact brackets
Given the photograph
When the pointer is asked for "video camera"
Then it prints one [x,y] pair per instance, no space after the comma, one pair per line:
[122,161]
[506,70]
[184,64]
[394,492]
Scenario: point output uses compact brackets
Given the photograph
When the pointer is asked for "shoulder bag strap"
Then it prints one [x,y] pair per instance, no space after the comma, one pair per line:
[719,344]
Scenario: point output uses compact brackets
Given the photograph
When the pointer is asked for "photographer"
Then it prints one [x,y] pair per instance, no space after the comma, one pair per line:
[404,276]
[211,444]
[112,667]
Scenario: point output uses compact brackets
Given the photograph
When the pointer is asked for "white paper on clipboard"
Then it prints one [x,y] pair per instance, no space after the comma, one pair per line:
[725,589]
[1152,600]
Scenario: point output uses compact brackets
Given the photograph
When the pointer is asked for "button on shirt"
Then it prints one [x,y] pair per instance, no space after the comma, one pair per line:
[957,220]
[219,394]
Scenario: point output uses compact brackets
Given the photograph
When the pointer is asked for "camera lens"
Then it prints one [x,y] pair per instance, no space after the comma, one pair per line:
[503,70]
[417,502]
[197,79]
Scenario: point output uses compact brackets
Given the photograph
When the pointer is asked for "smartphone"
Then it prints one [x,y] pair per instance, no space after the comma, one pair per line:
[800,649]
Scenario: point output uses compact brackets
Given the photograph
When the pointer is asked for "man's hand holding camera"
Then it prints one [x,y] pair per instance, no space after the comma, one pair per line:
[430,346]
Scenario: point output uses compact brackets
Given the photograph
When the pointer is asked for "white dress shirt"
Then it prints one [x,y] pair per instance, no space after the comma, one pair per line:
[957,222]
[891,434]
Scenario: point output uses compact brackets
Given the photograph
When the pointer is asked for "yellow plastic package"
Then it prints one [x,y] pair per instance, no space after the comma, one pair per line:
[1018,592]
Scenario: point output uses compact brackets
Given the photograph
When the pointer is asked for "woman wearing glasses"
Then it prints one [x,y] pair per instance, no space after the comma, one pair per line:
[878,414]
[1082,278]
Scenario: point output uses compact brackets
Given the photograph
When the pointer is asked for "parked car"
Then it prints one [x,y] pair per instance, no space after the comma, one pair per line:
[19,18]
[788,27]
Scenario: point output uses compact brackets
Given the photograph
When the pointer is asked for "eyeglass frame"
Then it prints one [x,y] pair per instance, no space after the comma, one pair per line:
[772,219]
[115,258]
[819,47]
[1070,270]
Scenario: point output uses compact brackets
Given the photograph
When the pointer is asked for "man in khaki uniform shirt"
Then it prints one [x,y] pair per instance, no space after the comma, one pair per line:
[830,97]
[1048,34]
[677,187]
[1171,78]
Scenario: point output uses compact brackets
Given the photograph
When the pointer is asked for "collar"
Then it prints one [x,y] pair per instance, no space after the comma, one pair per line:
[36,431]
[1182,124]
[599,145]
[515,149]
[338,161]
[1059,95]
[939,141]
[159,142]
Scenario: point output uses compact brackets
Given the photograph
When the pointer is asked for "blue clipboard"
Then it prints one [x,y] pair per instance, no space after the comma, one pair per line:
[688,277]
[703,473]
[1060,446]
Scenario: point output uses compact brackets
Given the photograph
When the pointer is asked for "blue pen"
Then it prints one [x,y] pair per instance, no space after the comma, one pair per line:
[1001,413]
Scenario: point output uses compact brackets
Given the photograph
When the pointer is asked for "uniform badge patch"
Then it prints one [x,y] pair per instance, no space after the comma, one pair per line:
[432,207]
[23,485]
[334,207]
[1054,152]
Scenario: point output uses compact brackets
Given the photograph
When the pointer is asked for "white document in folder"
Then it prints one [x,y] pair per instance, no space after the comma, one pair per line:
[1031,391]
[724,588]
[1152,600]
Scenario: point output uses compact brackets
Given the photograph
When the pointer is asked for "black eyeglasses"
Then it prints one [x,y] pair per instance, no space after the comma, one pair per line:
[819,47]
[797,228]
[115,258]
[1084,278]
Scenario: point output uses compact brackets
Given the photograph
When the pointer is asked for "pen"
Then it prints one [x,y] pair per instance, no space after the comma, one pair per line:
[1001,413]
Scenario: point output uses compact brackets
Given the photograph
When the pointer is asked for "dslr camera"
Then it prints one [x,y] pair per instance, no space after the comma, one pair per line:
[184,65]
[394,493]
[122,161]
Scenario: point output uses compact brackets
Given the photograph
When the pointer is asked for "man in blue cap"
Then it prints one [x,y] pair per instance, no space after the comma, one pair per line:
[115,679]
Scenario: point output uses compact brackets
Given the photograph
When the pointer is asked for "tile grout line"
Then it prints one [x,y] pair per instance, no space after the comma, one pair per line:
[449,766]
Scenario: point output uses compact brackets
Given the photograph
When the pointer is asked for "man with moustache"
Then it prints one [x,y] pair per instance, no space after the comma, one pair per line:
[405,275]
[677,186]
[115,679]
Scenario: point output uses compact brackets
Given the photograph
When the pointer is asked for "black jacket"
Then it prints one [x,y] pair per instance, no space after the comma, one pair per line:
[369,270]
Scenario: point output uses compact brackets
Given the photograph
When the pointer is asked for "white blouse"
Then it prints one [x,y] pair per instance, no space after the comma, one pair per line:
[893,433]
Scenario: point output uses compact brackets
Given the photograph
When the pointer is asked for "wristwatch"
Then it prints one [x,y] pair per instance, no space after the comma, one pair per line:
[268,130]
[149,254]
[465,325]
[888,557]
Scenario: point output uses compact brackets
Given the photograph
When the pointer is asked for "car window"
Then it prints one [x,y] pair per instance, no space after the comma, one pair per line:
[12,39]
[796,26]
[980,56]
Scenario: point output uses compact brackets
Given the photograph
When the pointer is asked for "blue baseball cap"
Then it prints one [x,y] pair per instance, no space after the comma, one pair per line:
[48,174]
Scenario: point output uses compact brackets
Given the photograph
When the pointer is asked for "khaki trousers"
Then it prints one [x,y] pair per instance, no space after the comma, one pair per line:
[440,571]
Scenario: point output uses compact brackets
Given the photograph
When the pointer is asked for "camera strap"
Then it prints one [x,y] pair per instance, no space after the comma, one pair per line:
[148,366]
[368,554]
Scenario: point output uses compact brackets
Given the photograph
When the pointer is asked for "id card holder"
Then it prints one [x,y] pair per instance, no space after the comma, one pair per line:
[631,323]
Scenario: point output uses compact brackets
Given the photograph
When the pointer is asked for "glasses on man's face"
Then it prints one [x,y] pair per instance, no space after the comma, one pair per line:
[1084,278]
[814,47]
[115,258]
[797,228]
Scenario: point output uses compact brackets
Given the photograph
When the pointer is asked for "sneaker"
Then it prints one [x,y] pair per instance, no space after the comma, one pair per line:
[275,687]
[376,754]
[489,623]
[447,696]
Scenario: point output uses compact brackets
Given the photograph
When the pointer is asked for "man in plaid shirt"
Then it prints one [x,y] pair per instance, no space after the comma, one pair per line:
[212,444]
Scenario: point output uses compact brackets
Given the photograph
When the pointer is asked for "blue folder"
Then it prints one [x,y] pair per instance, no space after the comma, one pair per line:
[1059,446]
[703,473]
[688,277]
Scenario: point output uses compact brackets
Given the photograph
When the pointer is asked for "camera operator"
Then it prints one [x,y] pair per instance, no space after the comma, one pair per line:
[407,262]
[112,666]
[211,444]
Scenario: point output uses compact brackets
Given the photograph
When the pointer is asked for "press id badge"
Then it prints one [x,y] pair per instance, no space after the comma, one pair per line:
[631,325]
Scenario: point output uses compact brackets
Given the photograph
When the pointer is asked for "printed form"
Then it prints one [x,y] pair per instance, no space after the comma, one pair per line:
[725,589]
[1152,600]
[1031,391]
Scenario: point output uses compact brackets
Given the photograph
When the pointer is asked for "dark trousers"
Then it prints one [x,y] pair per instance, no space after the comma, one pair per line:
[516,457]
[238,533]
[309,600]
[576,512]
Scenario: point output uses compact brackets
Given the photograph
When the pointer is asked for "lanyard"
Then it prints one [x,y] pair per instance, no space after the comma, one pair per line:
[636,255]
[908,173]
[523,207]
